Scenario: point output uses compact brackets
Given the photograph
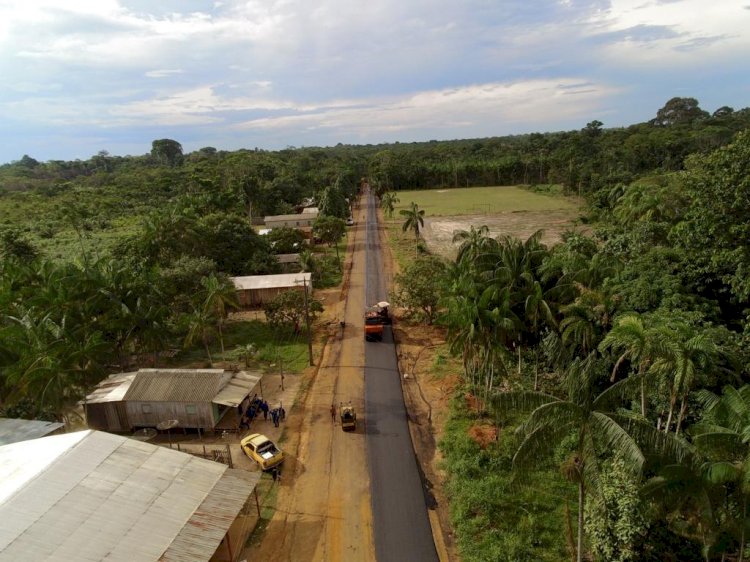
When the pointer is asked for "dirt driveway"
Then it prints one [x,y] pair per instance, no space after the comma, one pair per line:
[323,507]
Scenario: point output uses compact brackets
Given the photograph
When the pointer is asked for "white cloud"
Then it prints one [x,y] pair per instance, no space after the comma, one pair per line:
[717,29]
[498,105]
[163,73]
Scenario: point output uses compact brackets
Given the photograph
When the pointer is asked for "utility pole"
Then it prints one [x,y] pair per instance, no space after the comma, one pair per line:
[307,322]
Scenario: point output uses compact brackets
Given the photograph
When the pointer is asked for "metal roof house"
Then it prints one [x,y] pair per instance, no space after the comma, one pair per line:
[90,496]
[14,430]
[255,290]
[293,221]
[196,398]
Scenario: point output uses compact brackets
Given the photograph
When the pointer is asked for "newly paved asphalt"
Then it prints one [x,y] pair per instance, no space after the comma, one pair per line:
[401,528]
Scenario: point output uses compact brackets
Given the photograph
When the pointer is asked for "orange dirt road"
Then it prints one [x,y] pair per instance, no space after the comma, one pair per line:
[323,510]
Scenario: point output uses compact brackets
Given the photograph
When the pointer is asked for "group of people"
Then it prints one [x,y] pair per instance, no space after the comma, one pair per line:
[249,409]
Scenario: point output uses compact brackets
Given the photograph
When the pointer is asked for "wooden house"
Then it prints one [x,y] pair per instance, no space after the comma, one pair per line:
[196,398]
[255,290]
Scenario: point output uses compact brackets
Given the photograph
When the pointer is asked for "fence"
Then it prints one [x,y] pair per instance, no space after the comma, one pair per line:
[222,455]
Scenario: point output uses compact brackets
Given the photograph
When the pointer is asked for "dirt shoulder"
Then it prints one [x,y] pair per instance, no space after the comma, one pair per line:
[322,511]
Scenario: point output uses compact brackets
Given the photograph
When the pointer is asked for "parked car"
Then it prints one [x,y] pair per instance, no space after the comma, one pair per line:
[350,221]
[262,450]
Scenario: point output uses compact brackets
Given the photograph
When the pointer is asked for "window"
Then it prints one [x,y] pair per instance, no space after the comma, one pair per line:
[146,408]
[191,409]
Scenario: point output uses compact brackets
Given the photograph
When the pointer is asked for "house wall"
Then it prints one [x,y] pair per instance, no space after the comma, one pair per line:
[250,298]
[149,414]
[236,537]
[107,416]
[292,223]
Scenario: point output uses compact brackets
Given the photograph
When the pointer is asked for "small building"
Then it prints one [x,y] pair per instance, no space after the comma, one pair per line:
[196,398]
[289,262]
[255,290]
[301,220]
[14,430]
[310,210]
[93,496]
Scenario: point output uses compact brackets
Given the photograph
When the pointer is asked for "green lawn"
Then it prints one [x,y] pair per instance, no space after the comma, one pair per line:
[481,200]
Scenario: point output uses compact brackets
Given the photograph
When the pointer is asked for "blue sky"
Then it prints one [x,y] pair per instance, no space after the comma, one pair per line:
[80,76]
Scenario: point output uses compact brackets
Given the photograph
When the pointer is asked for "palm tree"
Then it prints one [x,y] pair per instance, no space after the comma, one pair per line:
[472,242]
[587,319]
[387,202]
[200,324]
[220,295]
[723,436]
[537,310]
[597,429]
[307,261]
[687,355]
[637,343]
[414,220]
[693,503]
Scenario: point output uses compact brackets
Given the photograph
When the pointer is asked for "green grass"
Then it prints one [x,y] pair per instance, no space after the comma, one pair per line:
[475,200]
[267,492]
[494,517]
[273,347]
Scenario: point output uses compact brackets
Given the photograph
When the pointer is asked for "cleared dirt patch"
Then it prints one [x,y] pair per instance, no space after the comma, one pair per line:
[438,231]
[488,200]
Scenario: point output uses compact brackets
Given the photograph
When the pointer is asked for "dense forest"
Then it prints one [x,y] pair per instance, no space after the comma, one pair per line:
[619,357]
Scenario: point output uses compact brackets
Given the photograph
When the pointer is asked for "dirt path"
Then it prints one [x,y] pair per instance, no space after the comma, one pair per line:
[323,507]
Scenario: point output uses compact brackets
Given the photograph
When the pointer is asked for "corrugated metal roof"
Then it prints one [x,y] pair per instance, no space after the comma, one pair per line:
[209,523]
[241,384]
[111,389]
[177,385]
[90,496]
[280,281]
[13,430]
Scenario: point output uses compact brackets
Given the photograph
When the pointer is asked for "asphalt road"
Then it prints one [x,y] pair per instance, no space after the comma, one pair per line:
[401,527]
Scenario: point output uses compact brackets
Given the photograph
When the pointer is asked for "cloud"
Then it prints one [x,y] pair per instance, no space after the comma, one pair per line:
[163,73]
[496,105]
[336,68]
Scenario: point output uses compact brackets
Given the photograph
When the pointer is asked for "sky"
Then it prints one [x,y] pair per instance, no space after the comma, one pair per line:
[81,76]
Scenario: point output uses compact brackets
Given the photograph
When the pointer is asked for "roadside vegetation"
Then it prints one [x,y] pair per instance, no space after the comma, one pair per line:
[612,366]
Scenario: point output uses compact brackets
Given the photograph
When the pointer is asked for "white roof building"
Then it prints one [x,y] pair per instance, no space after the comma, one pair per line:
[90,496]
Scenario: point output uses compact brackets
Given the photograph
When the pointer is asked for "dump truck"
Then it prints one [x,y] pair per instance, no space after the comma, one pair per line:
[376,317]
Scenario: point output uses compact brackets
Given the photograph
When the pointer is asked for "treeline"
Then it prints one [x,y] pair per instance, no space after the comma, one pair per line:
[617,362]
[583,161]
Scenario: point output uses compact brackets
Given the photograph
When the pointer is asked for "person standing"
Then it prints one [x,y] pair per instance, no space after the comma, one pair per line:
[333,413]
[264,409]
[275,417]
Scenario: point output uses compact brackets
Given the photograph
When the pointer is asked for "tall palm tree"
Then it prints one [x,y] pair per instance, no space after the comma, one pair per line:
[597,429]
[220,295]
[537,311]
[637,343]
[387,202]
[200,324]
[688,354]
[414,221]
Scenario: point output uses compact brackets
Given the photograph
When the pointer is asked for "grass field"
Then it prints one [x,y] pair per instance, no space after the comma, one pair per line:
[504,210]
[481,200]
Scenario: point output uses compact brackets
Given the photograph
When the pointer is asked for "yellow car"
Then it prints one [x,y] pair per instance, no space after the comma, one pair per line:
[262,450]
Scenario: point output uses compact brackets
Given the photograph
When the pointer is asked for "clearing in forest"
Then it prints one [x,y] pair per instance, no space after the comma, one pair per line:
[503,209]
